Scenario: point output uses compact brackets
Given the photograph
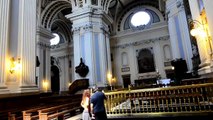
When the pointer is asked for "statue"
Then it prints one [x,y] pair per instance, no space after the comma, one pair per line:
[82,69]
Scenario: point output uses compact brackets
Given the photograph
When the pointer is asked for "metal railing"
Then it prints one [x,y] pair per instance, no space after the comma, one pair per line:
[160,101]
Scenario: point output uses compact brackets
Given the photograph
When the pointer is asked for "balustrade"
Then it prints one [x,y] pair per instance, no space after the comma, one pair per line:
[172,100]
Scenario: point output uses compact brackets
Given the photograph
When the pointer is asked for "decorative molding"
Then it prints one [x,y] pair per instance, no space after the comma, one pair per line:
[148,75]
[76,30]
[105,29]
[43,32]
[142,42]
[64,56]
[180,5]
[88,27]
[43,45]
[85,27]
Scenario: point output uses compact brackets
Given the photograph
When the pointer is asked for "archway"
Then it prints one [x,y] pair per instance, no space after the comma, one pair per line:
[55,79]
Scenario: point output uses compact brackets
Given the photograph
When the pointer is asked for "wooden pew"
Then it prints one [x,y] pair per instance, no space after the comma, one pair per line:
[15,115]
[58,111]
[32,114]
[48,102]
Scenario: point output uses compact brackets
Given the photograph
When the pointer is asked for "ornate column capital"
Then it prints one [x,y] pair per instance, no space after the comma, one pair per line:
[76,30]
[87,27]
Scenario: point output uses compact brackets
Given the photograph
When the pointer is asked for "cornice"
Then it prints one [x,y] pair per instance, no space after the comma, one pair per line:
[142,42]
[44,33]
[64,56]
[43,45]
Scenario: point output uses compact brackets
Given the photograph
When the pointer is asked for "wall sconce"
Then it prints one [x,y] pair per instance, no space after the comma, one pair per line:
[109,77]
[198,28]
[45,85]
[14,65]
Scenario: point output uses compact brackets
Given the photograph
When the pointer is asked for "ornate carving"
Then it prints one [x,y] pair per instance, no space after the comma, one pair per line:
[64,56]
[105,29]
[44,3]
[82,69]
[43,45]
[80,3]
[88,27]
[76,30]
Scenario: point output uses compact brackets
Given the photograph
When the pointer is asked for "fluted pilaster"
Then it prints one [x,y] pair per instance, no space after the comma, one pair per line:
[4,26]
[43,52]
[203,42]
[179,32]
[27,44]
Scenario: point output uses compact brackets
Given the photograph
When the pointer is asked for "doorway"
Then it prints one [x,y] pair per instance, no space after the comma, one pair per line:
[126,80]
[55,79]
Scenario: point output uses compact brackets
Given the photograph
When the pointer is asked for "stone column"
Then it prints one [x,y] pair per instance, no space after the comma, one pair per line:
[179,32]
[203,42]
[4,27]
[208,9]
[23,45]
[91,41]
[108,60]
[65,72]
[43,49]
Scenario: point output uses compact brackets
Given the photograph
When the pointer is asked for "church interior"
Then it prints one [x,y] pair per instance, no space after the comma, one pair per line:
[152,58]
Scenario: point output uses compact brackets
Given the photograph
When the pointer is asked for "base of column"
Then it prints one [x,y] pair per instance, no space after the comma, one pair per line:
[4,90]
[206,71]
[24,89]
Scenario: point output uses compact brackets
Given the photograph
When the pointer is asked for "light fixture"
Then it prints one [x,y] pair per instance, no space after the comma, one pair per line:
[14,65]
[45,85]
[198,29]
[109,77]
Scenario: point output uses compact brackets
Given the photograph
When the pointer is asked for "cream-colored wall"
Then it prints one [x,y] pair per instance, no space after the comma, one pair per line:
[129,41]
[64,54]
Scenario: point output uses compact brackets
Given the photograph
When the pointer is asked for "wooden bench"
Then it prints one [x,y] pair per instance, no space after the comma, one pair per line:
[58,111]
[32,114]
[15,115]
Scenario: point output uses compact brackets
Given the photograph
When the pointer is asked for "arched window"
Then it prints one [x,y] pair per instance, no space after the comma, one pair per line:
[146,61]
[55,40]
[140,18]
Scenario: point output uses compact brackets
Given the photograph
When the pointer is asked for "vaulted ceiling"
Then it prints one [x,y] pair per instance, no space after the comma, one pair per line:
[117,7]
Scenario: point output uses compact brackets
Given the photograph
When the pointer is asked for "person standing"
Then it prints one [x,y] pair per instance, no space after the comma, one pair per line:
[97,105]
[85,103]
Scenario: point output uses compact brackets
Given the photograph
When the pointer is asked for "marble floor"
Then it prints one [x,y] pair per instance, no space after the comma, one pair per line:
[76,117]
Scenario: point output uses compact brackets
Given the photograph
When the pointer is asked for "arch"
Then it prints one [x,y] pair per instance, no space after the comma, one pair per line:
[124,19]
[55,75]
[55,79]
[52,9]
[65,29]
[150,7]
